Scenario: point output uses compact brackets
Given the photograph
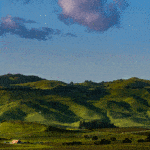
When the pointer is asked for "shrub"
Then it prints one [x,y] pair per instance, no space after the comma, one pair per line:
[148,138]
[126,140]
[141,140]
[95,138]
[86,136]
[3,121]
[103,141]
[3,139]
[113,139]
[72,143]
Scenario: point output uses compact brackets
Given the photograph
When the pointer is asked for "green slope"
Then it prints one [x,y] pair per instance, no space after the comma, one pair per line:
[21,129]
[8,79]
[43,84]
[32,99]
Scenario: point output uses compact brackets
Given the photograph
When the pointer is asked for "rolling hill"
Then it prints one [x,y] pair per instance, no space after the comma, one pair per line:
[124,103]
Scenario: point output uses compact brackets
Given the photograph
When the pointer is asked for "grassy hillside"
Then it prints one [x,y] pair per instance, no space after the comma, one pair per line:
[32,99]
[18,129]
[22,129]
[8,79]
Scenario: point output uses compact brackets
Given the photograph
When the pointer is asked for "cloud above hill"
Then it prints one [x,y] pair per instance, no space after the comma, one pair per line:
[96,15]
[16,25]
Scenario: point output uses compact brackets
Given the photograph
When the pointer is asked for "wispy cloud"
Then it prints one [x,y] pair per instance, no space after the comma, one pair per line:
[23,1]
[70,34]
[96,15]
[21,20]
[15,25]
[26,1]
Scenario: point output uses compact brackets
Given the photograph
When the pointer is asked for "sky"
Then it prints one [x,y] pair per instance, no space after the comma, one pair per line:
[75,40]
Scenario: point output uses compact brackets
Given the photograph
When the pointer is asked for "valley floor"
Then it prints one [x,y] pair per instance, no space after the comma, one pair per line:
[58,142]
[124,146]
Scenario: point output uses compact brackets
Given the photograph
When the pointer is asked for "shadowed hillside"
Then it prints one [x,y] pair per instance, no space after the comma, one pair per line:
[32,99]
[8,79]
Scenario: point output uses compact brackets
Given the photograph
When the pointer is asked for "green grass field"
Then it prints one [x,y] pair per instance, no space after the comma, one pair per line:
[35,110]
[55,139]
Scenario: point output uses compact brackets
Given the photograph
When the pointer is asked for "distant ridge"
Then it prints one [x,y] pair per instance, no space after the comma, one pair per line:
[6,80]
[122,103]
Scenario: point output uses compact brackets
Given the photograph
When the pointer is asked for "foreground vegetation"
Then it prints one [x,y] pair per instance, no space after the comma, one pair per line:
[47,114]
[42,138]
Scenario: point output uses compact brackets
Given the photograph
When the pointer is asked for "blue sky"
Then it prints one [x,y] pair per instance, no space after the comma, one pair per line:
[75,40]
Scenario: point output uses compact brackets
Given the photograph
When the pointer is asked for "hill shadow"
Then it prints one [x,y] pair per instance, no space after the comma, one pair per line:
[118,105]
[13,114]
[64,109]
[47,113]
[79,91]
[137,84]
[140,100]
[8,79]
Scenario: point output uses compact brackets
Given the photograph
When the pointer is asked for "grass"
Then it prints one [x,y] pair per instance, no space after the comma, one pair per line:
[55,139]
[124,103]
[19,128]
[43,84]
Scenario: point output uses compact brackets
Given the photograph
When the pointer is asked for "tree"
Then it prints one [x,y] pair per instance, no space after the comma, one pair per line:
[71,83]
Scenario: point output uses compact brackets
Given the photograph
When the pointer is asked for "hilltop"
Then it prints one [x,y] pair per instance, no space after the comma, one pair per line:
[124,103]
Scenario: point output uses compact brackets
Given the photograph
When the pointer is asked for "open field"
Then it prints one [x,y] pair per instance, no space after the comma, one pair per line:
[56,140]
[55,115]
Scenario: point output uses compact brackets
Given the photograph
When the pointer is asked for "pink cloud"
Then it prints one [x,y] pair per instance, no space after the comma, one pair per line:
[16,25]
[94,14]
[8,22]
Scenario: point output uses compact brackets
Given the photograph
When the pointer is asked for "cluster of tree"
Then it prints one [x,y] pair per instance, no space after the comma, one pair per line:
[95,125]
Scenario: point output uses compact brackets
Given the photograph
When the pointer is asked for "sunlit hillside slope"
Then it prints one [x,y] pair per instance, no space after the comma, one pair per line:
[123,103]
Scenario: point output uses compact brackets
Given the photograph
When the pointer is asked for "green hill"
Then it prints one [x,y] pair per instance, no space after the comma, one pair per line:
[8,79]
[22,129]
[123,103]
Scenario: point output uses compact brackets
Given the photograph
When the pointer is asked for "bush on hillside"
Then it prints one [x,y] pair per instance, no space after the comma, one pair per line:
[148,138]
[72,143]
[113,139]
[95,138]
[127,140]
[103,141]
[140,140]
[86,136]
